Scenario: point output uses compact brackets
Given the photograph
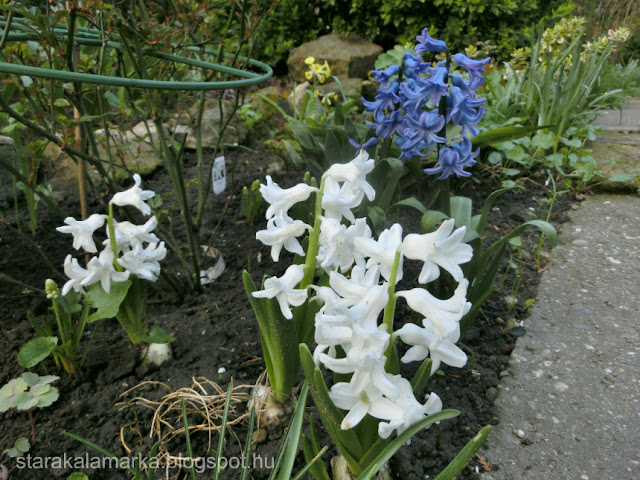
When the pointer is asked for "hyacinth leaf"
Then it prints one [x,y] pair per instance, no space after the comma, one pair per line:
[289,449]
[430,220]
[346,441]
[378,218]
[461,213]
[311,449]
[36,350]
[503,134]
[480,221]
[412,202]
[390,180]
[465,455]
[421,378]
[258,306]
[106,304]
[376,463]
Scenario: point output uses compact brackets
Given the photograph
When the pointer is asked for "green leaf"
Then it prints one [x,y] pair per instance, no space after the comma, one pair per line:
[106,304]
[36,350]
[511,172]
[78,476]
[503,134]
[378,218]
[290,444]
[157,335]
[411,202]
[622,177]
[377,463]
[495,158]
[61,102]
[543,140]
[430,219]
[465,455]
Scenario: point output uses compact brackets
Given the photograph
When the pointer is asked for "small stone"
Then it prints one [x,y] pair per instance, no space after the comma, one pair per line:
[575,206]
[222,370]
[519,433]
[504,373]
[507,348]
[492,394]
[561,386]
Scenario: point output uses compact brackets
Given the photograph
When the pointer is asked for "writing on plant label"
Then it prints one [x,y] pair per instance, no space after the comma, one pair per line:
[219,174]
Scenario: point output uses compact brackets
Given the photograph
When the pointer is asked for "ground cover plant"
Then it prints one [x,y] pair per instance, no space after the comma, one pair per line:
[389,296]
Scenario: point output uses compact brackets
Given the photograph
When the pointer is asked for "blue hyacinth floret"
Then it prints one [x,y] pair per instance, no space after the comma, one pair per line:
[417,100]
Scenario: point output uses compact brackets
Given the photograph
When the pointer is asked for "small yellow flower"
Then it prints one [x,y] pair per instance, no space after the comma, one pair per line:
[309,60]
[321,78]
[316,92]
[308,75]
[316,68]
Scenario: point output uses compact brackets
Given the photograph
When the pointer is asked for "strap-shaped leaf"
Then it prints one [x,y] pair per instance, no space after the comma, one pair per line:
[346,441]
[383,457]
[465,455]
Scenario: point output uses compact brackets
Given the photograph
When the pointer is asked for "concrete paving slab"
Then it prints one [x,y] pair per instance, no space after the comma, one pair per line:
[626,120]
[570,407]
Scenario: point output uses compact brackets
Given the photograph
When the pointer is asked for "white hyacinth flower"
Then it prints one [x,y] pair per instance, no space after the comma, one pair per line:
[370,391]
[281,234]
[446,313]
[281,200]
[82,231]
[412,410]
[137,233]
[382,252]
[337,201]
[76,274]
[438,249]
[101,270]
[338,242]
[354,174]
[135,196]
[431,341]
[353,289]
[284,291]
[144,262]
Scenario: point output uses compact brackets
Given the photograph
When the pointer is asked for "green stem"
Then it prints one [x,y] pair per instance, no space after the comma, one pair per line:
[112,239]
[312,250]
[390,309]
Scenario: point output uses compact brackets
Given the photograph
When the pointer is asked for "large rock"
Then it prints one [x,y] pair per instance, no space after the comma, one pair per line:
[235,133]
[348,57]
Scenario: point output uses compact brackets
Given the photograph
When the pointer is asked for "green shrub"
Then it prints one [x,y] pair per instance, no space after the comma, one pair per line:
[388,22]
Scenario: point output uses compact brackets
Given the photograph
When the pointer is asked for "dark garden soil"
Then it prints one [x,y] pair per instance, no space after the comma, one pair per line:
[217,338]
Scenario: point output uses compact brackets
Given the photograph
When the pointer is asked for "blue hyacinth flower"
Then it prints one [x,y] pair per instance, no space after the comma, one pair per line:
[428,44]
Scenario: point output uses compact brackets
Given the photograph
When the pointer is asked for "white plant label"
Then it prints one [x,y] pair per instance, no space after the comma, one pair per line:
[219,173]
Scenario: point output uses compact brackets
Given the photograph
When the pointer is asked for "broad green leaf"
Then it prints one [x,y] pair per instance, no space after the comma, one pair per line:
[157,335]
[106,304]
[290,444]
[495,158]
[78,476]
[36,350]
[61,102]
[543,140]
[622,177]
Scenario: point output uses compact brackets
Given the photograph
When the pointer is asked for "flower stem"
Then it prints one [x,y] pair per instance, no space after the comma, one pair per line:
[312,249]
[391,364]
[112,239]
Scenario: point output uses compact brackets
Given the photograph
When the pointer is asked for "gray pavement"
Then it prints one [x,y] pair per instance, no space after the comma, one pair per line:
[570,406]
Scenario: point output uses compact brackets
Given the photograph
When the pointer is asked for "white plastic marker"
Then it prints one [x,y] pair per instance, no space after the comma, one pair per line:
[219,173]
